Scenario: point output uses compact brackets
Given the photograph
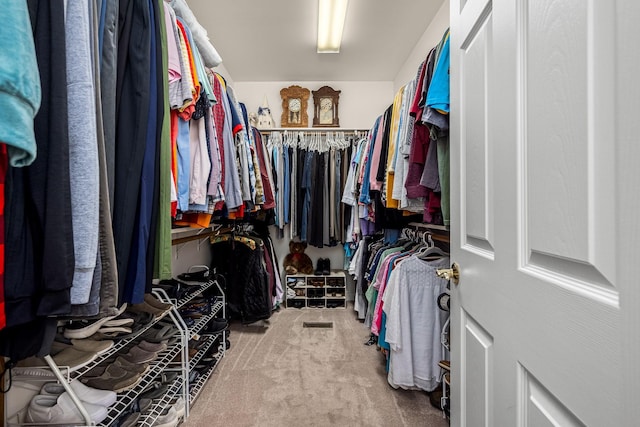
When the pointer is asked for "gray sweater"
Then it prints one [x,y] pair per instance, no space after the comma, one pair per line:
[83,148]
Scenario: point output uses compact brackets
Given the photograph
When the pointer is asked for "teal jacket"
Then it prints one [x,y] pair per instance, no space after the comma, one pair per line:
[19,83]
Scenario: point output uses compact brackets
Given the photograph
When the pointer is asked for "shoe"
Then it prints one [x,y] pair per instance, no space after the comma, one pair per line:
[115,379]
[154,390]
[144,404]
[138,368]
[52,389]
[84,328]
[319,267]
[145,307]
[114,330]
[85,394]
[99,347]
[159,332]
[193,376]
[198,276]
[119,321]
[189,321]
[61,410]
[179,406]
[170,419]
[168,377]
[93,396]
[73,358]
[326,267]
[217,325]
[155,302]
[174,288]
[137,355]
[130,420]
[196,344]
[155,347]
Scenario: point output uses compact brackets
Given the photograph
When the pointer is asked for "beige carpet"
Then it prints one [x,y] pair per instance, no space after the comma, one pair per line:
[287,375]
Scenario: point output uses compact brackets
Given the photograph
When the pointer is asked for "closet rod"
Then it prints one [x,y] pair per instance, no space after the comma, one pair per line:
[322,130]
[199,236]
[438,232]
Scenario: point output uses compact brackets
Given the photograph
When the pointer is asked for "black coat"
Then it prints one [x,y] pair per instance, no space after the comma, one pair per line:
[247,284]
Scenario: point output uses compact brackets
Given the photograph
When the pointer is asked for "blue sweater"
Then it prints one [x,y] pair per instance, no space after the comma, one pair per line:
[19,83]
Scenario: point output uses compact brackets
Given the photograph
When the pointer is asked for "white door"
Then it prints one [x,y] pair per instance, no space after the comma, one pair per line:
[545,170]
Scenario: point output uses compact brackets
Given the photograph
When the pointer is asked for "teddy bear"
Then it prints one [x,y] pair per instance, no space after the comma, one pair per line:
[297,262]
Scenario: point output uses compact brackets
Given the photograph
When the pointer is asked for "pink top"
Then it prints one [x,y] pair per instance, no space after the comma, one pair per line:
[172,47]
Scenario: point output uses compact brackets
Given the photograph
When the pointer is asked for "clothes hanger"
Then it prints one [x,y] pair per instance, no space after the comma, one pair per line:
[236,238]
[430,250]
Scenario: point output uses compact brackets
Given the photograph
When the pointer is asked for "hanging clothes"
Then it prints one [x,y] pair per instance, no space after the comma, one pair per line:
[241,260]
[37,199]
[414,323]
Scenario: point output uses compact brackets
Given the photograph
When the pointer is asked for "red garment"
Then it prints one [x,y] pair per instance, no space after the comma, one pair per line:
[218,118]
[417,158]
[269,199]
[415,105]
[3,173]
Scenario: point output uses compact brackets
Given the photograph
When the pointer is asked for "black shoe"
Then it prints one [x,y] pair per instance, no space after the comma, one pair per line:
[197,276]
[319,267]
[326,267]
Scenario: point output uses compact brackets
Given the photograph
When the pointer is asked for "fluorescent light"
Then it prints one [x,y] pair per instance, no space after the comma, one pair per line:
[331,14]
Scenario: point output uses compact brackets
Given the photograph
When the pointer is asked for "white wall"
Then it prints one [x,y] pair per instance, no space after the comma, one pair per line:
[429,39]
[360,102]
[185,255]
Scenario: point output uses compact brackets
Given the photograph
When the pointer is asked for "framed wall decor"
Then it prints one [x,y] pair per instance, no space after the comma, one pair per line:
[325,107]
[294,107]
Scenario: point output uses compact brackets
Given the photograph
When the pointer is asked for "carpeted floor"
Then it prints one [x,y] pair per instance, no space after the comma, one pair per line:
[287,375]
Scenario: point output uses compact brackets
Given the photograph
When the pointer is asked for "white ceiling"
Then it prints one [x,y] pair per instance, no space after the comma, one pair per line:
[275,40]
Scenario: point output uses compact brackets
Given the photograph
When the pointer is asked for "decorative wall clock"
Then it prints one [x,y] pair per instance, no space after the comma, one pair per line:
[294,107]
[325,107]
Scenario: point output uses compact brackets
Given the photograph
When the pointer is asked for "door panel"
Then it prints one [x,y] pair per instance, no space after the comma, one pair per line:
[535,149]
[477,346]
[538,407]
[567,169]
[477,194]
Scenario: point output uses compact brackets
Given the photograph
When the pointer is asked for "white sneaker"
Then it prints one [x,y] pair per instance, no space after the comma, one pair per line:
[52,389]
[85,393]
[61,410]
[93,395]
[179,406]
[170,419]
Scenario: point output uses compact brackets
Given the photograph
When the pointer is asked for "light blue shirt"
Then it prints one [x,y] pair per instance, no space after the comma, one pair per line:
[438,95]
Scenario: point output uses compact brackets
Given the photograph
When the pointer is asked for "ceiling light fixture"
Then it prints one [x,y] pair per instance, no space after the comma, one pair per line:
[331,15]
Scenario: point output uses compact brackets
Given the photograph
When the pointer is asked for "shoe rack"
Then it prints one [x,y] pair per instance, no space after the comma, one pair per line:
[316,291]
[207,340]
[174,358]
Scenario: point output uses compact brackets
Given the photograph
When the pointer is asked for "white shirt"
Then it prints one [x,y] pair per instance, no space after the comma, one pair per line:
[414,323]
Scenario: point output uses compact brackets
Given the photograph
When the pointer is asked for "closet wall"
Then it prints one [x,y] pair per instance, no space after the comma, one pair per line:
[360,102]
[429,39]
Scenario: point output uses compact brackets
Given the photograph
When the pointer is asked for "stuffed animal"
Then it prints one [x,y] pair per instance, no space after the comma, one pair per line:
[253,120]
[297,262]
[265,121]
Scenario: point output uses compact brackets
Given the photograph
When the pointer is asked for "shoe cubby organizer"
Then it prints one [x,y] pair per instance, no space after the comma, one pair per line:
[315,291]
[175,358]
